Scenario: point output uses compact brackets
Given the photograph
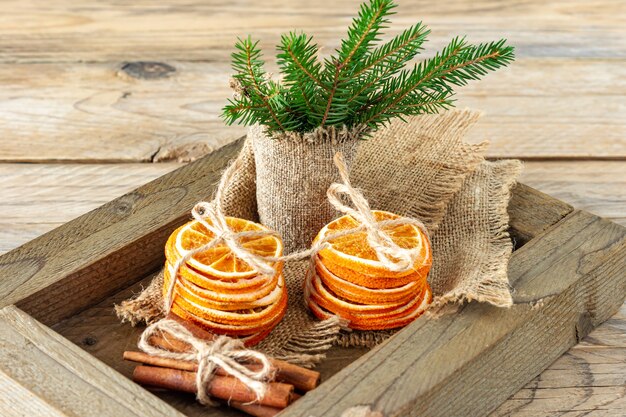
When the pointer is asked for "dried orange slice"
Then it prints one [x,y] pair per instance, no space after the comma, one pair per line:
[374,282]
[237,291]
[229,329]
[219,261]
[253,317]
[358,323]
[332,302]
[226,302]
[212,283]
[353,253]
[360,294]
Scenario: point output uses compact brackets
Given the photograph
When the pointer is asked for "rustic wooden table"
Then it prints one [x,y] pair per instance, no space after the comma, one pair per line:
[93,93]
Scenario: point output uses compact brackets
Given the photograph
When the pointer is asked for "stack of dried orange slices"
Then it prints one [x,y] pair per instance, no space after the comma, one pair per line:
[348,279]
[220,292]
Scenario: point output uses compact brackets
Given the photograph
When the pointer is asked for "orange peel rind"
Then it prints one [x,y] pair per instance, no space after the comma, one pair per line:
[221,293]
[347,279]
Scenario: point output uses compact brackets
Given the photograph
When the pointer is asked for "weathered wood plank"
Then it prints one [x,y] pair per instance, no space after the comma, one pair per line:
[84,260]
[598,187]
[588,380]
[61,378]
[566,282]
[99,112]
[531,212]
[205,30]
[38,198]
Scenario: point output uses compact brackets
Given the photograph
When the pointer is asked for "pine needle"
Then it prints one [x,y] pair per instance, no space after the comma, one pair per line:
[361,84]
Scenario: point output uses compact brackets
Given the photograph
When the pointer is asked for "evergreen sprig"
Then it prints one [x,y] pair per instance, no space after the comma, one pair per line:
[361,84]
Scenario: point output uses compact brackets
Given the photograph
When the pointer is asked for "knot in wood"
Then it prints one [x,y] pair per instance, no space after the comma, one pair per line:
[148,70]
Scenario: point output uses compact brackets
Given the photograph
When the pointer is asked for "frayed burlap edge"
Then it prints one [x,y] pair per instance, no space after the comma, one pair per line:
[493,287]
[409,155]
[144,307]
[307,348]
[327,134]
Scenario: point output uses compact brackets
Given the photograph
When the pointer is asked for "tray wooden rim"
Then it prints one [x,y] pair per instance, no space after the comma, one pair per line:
[570,271]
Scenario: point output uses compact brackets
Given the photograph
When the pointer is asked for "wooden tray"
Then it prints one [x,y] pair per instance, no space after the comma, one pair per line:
[62,345]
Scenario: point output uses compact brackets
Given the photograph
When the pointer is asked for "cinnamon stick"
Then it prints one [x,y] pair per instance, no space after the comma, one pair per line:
[181,365]
[301,378]
[278,395]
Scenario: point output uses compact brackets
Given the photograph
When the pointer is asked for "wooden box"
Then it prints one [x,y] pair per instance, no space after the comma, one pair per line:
[61,344]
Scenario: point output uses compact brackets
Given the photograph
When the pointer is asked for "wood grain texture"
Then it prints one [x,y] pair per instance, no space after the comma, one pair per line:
[79,263]
[589,380]
[99,332]
[598,187]
[566,281]
[97,31]
[62,379]
[109,81]
[531,212]
[36,198]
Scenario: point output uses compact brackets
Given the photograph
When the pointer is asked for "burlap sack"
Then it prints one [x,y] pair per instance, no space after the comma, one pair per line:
[240,195]
[413,169]
[293,172]
[421,169]
[471,247]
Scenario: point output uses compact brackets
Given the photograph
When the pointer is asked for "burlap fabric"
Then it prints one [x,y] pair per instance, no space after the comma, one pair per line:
[293,172]
[422,169]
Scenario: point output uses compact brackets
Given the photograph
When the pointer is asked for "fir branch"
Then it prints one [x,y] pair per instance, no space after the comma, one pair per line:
[363,31]
[298,59]
[298,62]
[361,84]
[457,64]
[331,95]
[390,57]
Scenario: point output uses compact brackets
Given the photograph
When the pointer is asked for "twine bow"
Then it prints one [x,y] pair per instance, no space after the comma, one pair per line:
[224,352]
[218,225]
[390,254]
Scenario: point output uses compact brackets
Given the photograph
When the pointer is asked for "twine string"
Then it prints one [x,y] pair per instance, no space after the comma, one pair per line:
[224,352]
[389,253]
[218,225]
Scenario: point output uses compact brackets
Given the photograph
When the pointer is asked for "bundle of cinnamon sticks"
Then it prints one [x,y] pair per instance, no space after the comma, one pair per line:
[290,381]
